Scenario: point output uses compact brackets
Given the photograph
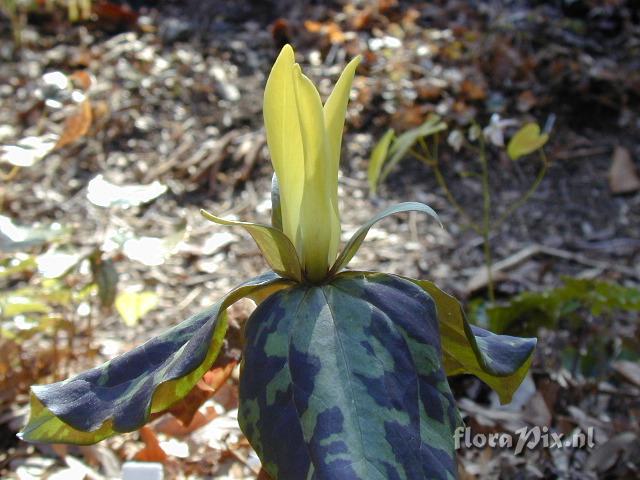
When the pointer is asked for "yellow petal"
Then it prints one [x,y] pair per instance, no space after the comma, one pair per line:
[335,110]
[284,139]
[317,222]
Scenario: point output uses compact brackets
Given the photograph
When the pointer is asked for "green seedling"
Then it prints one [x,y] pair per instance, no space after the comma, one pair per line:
[391,149]
[344,373]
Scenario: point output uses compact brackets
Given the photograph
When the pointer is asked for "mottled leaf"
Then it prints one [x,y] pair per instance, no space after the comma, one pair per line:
[356,240]
[501,361]
[345,381]
[277,249]
[120,395]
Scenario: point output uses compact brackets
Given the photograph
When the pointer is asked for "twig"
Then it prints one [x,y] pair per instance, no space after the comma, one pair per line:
[533,250]
[527,195]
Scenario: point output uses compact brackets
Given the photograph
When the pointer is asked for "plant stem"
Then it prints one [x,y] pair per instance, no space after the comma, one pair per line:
[486,220]
[433,163]
[527,195]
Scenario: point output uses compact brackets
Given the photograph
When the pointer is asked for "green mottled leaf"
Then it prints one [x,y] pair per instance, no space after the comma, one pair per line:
[526,140]
[344,381]
[501,361]
[277,249]
[404,142]
[356,240]
[378,156]
[120,395]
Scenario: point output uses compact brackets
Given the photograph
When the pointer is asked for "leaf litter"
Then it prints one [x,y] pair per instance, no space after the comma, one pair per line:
[155,112]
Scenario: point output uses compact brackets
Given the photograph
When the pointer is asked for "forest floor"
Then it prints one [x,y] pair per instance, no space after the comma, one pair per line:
[169,98]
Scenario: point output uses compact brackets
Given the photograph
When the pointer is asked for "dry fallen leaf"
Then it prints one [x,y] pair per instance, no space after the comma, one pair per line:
[473,90]
[77,125]
[81,78]
[623,176]
[185,410]
[629,370]
[152,452]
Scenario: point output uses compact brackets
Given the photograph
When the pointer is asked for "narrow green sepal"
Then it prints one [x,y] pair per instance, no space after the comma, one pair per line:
[276,248]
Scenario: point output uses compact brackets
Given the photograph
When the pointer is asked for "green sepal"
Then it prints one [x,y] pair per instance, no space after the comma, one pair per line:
[356,240]
[120,395]
[276,248]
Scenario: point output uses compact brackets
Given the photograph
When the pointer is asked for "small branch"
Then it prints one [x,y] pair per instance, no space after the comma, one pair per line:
[527,195]
[433,163]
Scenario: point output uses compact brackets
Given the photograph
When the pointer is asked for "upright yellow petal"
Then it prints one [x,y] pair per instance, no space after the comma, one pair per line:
[284,140]
[316,215]
[335,110]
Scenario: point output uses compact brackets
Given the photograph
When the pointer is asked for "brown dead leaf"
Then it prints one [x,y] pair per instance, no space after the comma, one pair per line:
[173,427]
[152,452]
[330,29]
[82,79]
[385,5]
[280,32]
[526,101]
[623,176]
[362,20]
[114,13]
[473,90]
[185,410]
[77,125]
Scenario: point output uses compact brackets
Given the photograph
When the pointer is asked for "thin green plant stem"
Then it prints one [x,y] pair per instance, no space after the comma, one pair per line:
[486,220]
[433,163]
[527,195]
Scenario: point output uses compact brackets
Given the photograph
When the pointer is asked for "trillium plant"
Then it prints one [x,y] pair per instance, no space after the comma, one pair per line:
[344,373]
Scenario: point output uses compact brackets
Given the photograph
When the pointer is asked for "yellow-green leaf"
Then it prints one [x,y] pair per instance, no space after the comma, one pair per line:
[378,156]
[527,140]
[132,306]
